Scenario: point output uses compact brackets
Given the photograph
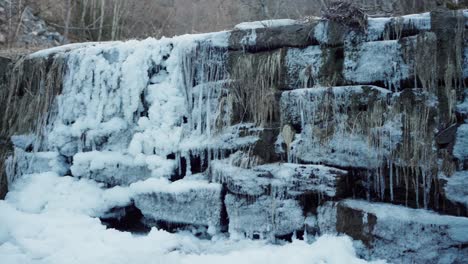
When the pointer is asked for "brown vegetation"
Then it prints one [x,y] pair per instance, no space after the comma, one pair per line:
[97,20]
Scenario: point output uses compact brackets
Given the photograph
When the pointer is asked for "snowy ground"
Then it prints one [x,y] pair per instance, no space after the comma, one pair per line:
[51,219]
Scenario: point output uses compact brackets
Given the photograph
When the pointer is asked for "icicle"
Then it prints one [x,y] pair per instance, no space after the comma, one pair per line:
[416,185]
[390,167]
[368,184]
[179,162]
[208,113]
[188,169]
[199,110]
[10,170]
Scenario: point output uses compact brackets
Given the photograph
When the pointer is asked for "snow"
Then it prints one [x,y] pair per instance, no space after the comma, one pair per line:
[66,48]
[181,186]
[266,24]
[51,219]
[47,192]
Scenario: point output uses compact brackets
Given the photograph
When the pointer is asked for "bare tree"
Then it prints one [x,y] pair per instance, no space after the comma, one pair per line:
[67,19]
[119,9]
[101,23]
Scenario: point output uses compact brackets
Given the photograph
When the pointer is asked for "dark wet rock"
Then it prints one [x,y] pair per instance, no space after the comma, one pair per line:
[270,38]
[447,136]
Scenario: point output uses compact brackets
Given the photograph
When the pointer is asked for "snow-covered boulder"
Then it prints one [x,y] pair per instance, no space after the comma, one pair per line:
[114,168]
[189,202]
[22,162]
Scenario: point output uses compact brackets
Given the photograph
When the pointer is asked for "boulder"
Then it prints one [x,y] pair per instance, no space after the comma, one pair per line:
[185,202]
[269,37]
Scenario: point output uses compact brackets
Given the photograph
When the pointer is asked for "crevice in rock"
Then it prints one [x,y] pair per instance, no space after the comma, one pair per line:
[126,219]
[199,231]
[224,215]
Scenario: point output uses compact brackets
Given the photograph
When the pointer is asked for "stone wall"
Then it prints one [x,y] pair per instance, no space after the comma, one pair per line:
[295,127]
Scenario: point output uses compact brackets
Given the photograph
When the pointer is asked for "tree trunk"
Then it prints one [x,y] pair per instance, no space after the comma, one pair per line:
[101,24]
[68,9]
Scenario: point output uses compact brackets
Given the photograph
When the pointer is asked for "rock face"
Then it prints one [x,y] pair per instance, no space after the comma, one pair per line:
[268,130]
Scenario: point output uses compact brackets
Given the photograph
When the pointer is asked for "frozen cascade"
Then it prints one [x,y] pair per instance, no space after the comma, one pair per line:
[144,100]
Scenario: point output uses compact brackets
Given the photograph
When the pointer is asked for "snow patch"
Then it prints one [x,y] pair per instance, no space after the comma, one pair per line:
[266,24]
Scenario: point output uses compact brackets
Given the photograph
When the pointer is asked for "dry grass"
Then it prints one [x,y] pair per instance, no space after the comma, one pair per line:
[257,78]
[26,100]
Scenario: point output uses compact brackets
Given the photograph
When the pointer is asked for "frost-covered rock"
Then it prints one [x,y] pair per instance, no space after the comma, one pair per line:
[24,142]
[404,234]
[280,179]
[326,218]
[190,202]
[263,217]
[335,128]
[372,62]
[22,162]
[114,168]
[303,66]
